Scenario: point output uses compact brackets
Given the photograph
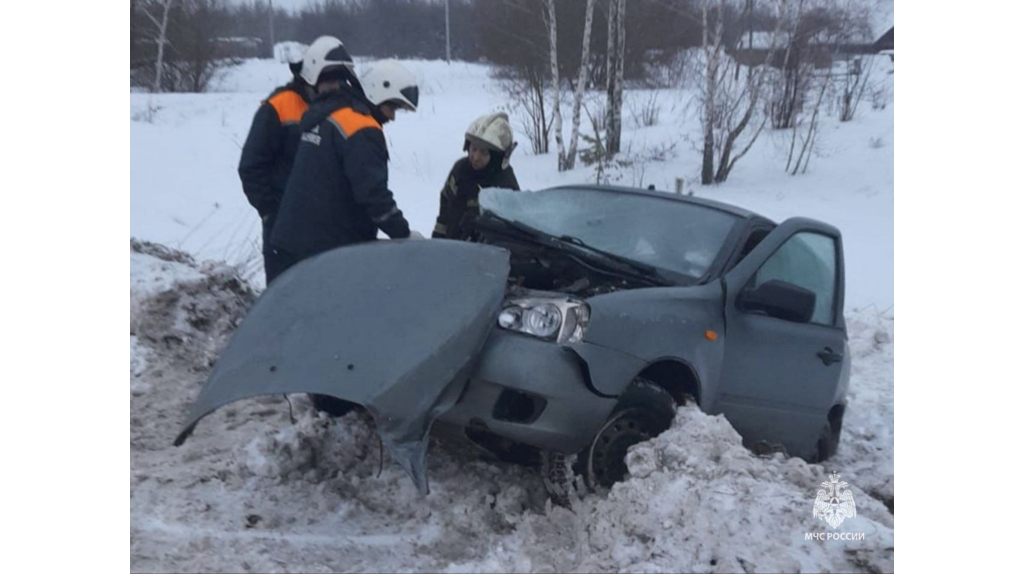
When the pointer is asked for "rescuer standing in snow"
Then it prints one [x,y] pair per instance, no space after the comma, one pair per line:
[488,148]
[338,192]
[269,149]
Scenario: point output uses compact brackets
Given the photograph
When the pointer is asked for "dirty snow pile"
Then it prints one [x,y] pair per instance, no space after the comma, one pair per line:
[269,485]
[698,501]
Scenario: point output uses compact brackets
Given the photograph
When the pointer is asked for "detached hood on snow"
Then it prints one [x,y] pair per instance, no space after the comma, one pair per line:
[394,326]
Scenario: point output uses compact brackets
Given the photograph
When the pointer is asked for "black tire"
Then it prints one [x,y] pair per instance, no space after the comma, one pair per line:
[644,411]
[333,406]
[837,433]
[828,443]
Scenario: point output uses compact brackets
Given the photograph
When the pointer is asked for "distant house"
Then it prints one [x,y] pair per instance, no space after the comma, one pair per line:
[762,40]
[884,45]
[239,47]
[754,48]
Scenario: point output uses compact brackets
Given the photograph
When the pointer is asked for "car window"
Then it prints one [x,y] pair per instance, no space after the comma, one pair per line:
[753,240]
[806,260]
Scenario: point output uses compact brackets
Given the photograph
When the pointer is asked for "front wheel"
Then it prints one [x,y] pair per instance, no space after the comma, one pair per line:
[333,406]
[644,411]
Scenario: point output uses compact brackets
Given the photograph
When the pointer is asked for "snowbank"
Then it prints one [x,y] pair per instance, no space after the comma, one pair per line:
[253,490]
[868,448]
[697,501]
[180,308]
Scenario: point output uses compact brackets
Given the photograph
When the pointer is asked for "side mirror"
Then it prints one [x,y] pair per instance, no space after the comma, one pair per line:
[780,300]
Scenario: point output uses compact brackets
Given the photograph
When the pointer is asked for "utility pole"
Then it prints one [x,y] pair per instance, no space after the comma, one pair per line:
[271,16]
[447,35]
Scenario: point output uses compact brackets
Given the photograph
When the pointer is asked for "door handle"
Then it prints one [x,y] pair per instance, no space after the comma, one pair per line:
[828,356]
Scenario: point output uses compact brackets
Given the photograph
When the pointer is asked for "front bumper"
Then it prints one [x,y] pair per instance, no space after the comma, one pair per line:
[538,392]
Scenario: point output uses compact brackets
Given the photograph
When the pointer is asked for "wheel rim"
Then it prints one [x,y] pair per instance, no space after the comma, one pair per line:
[606,464]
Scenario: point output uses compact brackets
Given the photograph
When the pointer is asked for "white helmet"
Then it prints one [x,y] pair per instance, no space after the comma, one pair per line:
[326,53]
[389,81]
[494,132]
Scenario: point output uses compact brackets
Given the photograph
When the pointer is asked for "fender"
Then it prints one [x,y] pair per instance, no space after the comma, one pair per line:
[682,324]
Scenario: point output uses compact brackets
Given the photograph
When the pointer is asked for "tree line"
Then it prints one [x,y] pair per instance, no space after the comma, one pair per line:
[502,32]
[753,63]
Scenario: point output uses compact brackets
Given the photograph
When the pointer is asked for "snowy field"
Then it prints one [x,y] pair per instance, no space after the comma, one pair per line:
[254,490]
[185,190]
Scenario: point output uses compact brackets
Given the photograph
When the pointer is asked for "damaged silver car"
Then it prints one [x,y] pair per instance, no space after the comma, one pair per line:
[574,326]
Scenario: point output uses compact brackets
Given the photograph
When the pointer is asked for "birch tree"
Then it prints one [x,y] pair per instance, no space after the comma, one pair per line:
[712,50]
[615,71]
[567,160]
[161,38]
[556,105]
[581,84]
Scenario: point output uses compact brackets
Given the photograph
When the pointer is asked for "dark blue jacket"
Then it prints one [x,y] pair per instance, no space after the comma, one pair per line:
[460,196]
[270,147]
[338,191]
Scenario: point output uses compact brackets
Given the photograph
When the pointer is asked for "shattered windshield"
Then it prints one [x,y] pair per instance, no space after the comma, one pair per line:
[673,235]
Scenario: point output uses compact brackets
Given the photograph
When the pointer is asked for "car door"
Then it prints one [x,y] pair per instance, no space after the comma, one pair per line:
[780,376]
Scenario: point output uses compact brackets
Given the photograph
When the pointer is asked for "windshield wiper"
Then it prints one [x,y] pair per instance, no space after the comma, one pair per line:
[647,271]
[610,261]
[511,223]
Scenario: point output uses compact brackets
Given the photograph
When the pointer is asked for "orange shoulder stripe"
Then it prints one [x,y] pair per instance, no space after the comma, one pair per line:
[289,106]
[351,121]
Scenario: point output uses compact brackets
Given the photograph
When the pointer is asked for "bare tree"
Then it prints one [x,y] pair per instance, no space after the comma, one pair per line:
[181,44]
[817,38]
[788,91]
[556,83]
[581,84]
[855,83]
[198,44]
[160,36]
[524,88]
[615,69]
[808,139]
[644,108]
[567,160]
[447,33]
[712,49]
[822,33]
[729,102]
[517,42]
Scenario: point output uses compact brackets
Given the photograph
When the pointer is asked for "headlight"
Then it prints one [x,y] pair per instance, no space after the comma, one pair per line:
[544,320]
[563,320]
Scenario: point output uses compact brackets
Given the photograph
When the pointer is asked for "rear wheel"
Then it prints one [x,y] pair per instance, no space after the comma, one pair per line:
[828,440]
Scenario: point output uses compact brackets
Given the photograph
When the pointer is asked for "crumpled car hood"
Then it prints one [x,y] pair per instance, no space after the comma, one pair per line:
[394,326]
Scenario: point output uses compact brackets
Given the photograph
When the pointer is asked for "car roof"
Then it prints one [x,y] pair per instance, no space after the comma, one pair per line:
[728,208]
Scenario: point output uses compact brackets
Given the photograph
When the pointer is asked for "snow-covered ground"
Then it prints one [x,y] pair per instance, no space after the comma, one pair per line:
[253,491]
[185,190]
